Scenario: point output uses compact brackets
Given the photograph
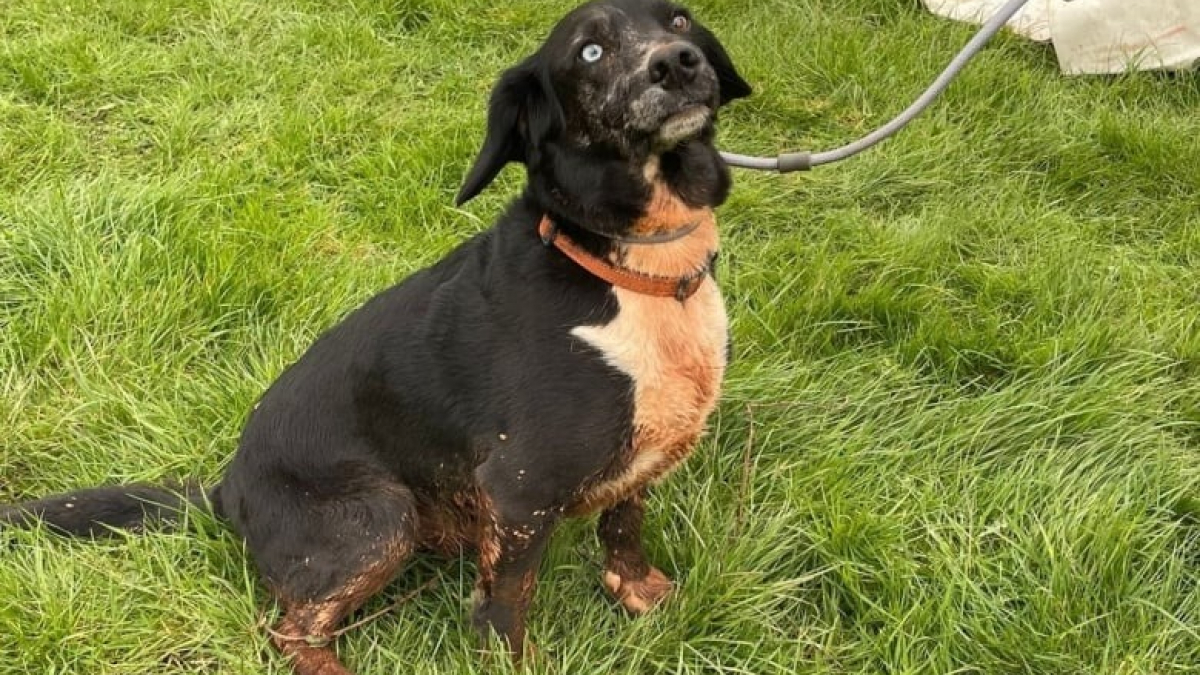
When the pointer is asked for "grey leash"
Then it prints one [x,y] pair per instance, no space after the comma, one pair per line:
[803,161]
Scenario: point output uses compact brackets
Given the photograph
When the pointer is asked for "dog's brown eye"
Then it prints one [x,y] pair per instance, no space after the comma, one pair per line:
[681,23]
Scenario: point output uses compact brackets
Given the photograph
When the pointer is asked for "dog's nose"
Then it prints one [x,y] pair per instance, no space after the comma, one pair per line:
[675,65]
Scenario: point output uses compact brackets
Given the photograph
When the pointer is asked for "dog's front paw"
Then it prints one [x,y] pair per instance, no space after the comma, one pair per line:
[639,596]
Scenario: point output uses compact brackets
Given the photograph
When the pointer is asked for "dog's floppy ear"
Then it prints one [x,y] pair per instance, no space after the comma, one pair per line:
[522,114]
[732,84]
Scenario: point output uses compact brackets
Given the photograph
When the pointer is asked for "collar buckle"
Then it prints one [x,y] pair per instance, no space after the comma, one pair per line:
[548,232]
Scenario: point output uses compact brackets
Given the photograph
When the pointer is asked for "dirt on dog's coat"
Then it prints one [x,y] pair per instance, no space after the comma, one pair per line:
[480,401]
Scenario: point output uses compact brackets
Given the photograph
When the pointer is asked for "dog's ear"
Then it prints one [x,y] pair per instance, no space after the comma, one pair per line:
[522,114]
[732,84]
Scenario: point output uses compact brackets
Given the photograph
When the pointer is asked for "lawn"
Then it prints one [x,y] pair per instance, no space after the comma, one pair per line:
[961,433]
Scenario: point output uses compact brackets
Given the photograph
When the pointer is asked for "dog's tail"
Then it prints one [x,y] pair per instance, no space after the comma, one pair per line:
[98,511]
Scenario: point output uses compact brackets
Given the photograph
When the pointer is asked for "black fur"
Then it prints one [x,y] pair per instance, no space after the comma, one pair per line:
[95,512]
[458,402]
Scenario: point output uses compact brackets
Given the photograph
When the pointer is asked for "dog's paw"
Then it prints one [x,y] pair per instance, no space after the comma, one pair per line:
[639,596]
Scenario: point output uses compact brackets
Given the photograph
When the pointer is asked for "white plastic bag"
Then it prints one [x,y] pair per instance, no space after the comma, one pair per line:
[1032,20]
[1100,36]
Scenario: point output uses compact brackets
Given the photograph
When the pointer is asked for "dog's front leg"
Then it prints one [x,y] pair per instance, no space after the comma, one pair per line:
[509,555]
[637,584]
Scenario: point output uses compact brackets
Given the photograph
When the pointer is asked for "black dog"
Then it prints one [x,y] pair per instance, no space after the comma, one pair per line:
[555,365]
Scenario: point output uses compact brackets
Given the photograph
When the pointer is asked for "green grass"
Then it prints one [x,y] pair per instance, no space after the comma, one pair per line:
[962,432]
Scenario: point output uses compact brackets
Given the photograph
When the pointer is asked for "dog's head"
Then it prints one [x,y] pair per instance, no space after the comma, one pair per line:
[622,80]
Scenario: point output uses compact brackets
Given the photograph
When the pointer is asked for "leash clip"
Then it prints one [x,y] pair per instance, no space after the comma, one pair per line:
[684,290]
[691,283]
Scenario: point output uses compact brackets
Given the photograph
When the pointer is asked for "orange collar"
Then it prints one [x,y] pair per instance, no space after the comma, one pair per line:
[680,288]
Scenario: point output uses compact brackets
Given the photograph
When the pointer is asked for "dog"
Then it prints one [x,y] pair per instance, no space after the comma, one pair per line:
[556,365]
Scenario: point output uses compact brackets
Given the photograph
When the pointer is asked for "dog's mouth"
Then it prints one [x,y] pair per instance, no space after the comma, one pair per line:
[683,126]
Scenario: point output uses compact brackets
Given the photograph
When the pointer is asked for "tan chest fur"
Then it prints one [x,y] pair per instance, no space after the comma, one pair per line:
[675,354]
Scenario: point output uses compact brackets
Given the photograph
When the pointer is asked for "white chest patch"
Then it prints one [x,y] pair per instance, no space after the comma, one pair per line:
[675,354]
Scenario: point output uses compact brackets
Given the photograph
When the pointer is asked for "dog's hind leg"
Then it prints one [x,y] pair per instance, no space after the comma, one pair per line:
[345,553]
[306,630]
[303,635]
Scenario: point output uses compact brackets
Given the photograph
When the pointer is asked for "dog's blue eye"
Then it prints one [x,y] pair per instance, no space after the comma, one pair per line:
[591,52]
[681,23]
